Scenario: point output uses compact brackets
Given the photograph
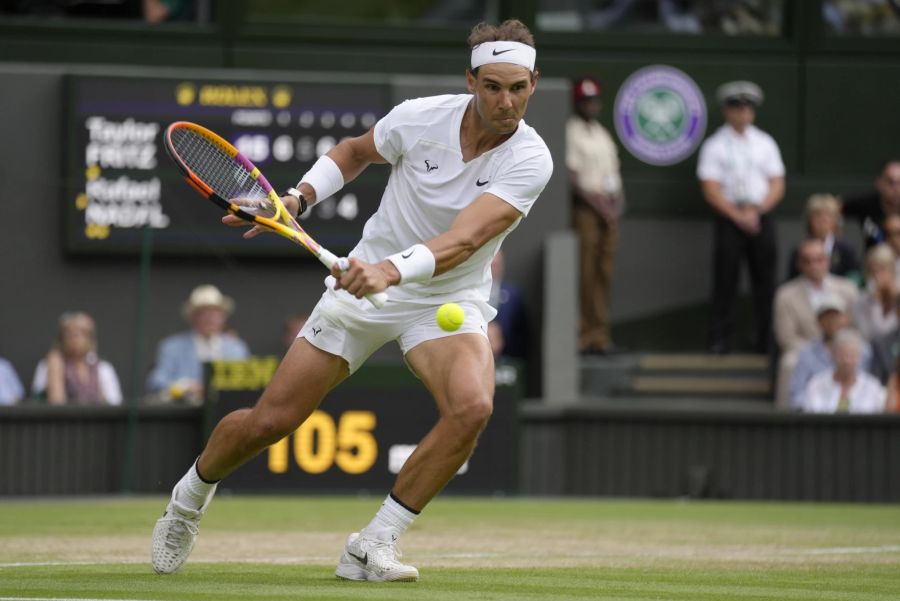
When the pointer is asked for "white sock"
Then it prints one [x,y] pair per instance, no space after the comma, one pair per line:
[393,517]
[192,491]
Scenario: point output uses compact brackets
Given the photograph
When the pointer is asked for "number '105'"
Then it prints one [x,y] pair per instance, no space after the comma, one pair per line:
[319,444]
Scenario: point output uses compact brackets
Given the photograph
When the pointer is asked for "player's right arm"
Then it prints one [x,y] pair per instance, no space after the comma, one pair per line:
[351,155]
[488,216]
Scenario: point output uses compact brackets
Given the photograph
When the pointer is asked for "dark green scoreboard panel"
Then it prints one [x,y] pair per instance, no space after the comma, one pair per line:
[119,179]
[363,431]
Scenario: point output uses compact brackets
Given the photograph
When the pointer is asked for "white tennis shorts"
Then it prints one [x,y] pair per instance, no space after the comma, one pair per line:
[352,328]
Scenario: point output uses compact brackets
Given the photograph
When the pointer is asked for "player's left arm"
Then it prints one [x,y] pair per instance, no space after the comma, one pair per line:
[483,219]
[479,222]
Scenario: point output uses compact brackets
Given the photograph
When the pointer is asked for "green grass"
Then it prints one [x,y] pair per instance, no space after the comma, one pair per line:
[284,548]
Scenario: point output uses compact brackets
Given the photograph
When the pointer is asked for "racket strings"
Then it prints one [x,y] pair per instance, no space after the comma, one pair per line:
[227,178]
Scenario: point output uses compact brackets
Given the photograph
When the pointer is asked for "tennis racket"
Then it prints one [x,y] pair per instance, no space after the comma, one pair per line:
[220,173]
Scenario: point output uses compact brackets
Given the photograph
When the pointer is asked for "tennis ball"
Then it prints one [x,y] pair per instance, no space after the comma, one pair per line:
[450,317]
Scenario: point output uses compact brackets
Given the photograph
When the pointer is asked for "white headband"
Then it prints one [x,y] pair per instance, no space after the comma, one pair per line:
[516,53]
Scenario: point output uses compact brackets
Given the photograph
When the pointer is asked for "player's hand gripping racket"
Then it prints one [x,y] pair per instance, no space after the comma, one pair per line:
[220,173]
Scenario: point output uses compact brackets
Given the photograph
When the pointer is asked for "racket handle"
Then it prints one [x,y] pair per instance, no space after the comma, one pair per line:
[377,298]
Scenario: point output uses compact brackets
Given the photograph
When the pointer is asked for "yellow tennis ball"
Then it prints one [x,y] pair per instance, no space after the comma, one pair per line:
[450,317]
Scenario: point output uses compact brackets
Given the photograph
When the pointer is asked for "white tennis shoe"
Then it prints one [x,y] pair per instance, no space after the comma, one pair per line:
[373,556]
[174,535]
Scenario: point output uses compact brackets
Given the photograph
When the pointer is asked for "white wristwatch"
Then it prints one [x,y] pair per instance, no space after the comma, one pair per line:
[299,196]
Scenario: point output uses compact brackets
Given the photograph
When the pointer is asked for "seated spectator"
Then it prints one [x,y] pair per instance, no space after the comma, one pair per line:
[845,388]
[892,238]
[886,350]
[815,356]
[178,372]
[874,312]
[508,331]
[871,208]
[72,373]
[892,399]
[11,390]
[823,222]
[795,307]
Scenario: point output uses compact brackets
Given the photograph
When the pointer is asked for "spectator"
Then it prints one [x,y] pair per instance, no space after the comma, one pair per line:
[871,208]
[161,11]
[886,351]
[11,390]
[742,178]
[892,237]
[293,323]
[845,388]
[892,398]
[815,356]
[823,221]
[597,204]
[796,302]
[874,312]
[72,373]
[178,371]
[508,331]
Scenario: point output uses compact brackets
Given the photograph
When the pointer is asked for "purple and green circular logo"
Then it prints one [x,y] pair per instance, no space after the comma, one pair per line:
[660,115]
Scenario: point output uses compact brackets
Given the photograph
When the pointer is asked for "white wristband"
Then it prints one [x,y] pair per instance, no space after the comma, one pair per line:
[415,264]
[325,177]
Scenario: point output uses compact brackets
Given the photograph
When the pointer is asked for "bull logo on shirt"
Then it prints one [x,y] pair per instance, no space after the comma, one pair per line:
[429,167]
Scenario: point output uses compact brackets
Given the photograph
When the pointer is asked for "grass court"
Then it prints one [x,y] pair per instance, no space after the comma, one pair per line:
[285,548]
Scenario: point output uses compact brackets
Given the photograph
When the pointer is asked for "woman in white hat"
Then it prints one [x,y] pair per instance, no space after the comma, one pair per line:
[179,359]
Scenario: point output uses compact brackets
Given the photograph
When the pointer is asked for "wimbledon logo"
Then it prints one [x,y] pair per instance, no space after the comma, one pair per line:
[660,115]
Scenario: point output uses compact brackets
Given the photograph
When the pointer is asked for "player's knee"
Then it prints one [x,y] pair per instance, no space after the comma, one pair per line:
[272,427]
[473,416]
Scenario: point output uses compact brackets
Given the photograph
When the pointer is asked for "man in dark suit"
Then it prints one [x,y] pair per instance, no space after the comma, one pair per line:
[870,208]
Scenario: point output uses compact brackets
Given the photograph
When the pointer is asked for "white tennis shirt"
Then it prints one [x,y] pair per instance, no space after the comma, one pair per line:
[430,183]
[742,164]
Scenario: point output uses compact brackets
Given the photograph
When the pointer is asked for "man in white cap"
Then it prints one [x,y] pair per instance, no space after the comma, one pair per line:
[465,169]
[742,178]
[178,372]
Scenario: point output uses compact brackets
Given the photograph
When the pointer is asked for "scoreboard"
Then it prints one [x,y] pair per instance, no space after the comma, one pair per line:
[120,181]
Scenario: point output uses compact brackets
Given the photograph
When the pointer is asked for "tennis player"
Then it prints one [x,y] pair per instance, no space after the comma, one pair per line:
[465,169]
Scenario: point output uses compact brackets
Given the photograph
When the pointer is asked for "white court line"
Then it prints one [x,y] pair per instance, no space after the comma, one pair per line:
[41,564]
[851,550]
[272,560]
[63,599]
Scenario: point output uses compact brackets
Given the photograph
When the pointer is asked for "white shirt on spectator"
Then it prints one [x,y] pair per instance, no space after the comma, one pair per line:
[11,390]
[823,394]
[743,164]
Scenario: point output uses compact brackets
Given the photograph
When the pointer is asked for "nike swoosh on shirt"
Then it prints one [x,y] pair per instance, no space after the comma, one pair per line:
[496,52]
[480,183]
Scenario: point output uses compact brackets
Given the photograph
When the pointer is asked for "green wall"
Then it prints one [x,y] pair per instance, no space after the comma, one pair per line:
[830,102]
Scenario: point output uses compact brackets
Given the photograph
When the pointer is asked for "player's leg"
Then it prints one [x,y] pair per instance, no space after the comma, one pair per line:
[459,372]
[305,375]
